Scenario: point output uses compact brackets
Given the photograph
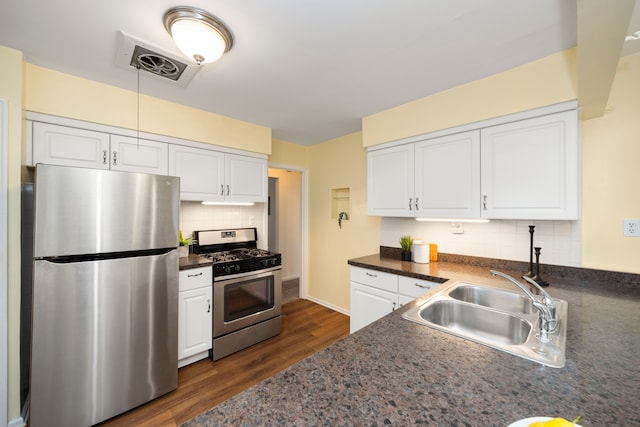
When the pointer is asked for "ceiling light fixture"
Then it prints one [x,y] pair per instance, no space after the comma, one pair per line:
[198,34]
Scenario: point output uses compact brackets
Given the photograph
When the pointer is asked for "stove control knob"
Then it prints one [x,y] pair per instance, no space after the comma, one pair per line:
[236,268]
[265,263]
[227,269]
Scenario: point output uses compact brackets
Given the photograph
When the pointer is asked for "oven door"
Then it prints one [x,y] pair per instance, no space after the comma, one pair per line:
[245,299]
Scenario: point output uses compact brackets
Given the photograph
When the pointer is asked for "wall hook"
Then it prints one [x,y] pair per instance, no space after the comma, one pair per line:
[341,216]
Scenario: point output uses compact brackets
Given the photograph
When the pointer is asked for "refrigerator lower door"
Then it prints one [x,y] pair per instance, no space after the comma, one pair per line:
[104,337]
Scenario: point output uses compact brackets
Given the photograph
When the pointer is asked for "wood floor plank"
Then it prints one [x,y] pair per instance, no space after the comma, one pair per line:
[307,328]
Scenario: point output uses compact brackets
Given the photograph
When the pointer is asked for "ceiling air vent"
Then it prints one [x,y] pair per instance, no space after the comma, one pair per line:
[153,59]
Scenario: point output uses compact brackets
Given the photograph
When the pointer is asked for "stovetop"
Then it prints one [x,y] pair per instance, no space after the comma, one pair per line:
[234,251]
[238,255]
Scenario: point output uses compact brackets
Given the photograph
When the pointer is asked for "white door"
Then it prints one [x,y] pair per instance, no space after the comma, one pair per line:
[201,172]
[139,155]
[369,304]
[194,321]
[390,181]
[246,178]
[448,176]
[66,146]
[530,168]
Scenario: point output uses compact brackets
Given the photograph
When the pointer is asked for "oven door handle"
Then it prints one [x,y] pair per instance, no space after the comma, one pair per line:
[246,273]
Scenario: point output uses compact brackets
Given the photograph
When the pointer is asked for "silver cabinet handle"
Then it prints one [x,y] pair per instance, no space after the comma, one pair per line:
[394,306]
[228,191]
[221,189]
[422,286]
[209,304]
[371,275]
[410,205]
[484,202]
[115,158]
[194,275]
[416,203]
[104,157]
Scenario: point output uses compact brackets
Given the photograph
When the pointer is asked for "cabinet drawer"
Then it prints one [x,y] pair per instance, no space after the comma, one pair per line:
[377,279]
[415,287]
[195,278]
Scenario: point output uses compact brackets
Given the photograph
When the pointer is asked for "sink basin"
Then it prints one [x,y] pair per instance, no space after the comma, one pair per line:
[513,302]
[494,317]
[468,319]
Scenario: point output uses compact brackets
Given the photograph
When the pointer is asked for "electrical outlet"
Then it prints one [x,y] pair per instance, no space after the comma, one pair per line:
[632,227]
[456,228]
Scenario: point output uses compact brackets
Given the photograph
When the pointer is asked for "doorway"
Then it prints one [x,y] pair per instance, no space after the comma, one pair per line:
[285,227]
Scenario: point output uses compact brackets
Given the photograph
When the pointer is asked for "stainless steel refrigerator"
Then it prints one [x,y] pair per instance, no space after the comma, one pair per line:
[105,293]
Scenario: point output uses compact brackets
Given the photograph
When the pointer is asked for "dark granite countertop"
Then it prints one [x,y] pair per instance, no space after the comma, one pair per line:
[396,372]
[193,261]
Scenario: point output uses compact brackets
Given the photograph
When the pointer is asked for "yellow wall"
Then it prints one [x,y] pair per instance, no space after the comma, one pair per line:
[286,153]
[547,81]
[611,175]
[59,94]
[11,75]
[338,163]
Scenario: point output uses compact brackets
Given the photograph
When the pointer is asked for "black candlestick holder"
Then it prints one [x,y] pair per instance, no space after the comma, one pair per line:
[537,278]
[530,273]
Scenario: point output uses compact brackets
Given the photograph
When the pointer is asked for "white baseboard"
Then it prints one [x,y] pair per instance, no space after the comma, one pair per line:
[329,305]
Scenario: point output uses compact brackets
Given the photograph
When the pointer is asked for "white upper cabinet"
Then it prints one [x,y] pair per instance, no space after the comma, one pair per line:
[207,175]
[67,146]
[139,155]
[201,172]
[390,179]
[214,174]
[447,176]
[525,168]
[531,168]
[246,178]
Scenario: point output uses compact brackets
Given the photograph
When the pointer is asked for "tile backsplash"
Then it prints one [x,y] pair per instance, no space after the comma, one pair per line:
[195,216]
[560,241]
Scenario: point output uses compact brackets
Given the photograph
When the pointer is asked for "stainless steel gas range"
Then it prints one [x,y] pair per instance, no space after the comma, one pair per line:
[247,288]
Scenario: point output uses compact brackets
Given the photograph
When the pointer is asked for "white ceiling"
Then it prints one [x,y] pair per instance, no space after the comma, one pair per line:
[308,70]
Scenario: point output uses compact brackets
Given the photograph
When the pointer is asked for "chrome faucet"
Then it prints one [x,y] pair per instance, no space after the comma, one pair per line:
[544,304]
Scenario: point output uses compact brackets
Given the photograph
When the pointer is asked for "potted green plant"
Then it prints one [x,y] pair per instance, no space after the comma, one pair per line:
[183,248]
[405,244]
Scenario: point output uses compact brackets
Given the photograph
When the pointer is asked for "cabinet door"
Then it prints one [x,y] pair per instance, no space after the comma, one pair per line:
[139,155]
[201,172]
[194,322]
[447,174]
[390,181]
[246,178]
[61,145]
[530,168]
[369,304]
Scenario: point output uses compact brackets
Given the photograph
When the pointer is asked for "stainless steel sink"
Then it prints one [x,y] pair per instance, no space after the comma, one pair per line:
[495,317]
[496,326]
[492,297]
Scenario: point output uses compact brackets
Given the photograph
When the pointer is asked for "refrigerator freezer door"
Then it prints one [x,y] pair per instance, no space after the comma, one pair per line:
[105,337]
[88,211]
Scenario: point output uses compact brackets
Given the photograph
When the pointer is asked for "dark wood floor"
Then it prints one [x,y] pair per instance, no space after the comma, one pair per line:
[306,328]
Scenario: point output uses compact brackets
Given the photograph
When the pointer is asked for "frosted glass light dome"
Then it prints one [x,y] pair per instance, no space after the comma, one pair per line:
[199,35]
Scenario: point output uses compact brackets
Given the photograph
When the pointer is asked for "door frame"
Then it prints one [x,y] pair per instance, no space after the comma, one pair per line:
[304,199]
[4,271]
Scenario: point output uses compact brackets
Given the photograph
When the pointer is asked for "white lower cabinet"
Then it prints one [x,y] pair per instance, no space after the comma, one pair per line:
[195,315]
[375,294]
